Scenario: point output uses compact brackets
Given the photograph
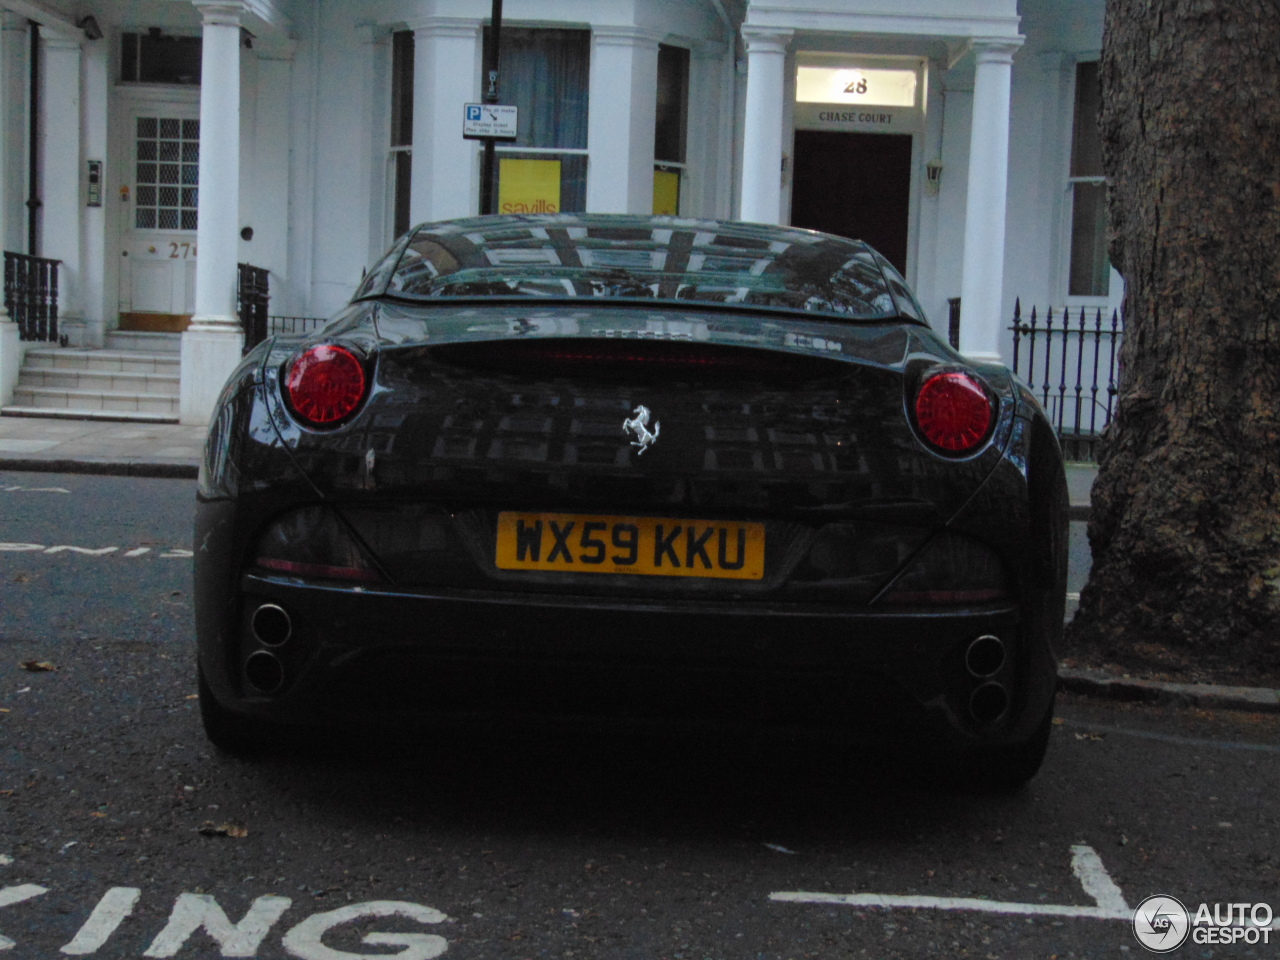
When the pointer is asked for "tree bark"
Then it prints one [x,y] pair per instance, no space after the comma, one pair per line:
[1185,527]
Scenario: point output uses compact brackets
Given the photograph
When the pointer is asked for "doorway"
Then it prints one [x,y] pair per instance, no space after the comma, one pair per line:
[159,177]
[855,185]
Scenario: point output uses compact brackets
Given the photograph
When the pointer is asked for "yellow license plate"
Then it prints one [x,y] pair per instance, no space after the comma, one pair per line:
[650,546]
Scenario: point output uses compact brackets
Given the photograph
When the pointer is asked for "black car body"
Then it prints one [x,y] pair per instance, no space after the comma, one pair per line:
[616,466]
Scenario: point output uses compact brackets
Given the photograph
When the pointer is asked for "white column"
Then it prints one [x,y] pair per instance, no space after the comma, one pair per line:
[212,344]
[13,136]
[446,74]
[10,348]
[94,108]
[620,123]
[762,125]
[60,161]
[982,283]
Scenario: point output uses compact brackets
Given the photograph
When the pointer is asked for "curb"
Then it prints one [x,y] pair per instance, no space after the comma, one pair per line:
[1104,686]
[167,469]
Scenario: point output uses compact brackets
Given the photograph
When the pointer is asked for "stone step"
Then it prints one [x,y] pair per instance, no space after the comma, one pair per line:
[155,384]
[68,413]
[120,361]
[142,341]
[113,401]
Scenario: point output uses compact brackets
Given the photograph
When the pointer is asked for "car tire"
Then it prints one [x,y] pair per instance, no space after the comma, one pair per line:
[1006,769]
[229,732]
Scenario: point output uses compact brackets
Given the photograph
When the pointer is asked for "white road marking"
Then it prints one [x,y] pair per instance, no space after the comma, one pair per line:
[192,911]
[306,939]
[171,553]
[1085,864]
[1097,883]
[116,904]
[1073,596]
[36,490]
[12,895]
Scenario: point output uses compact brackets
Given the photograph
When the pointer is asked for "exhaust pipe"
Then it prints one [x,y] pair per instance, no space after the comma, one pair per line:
[271,625]
[264,672]
[984,656]
[988,703]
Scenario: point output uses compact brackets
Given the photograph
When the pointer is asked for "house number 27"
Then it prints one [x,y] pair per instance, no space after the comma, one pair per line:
[182,251]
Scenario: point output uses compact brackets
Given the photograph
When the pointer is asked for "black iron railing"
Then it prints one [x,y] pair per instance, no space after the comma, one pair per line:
[290,326]
[953,322]
[1069,362]
[253,292]
[31,296]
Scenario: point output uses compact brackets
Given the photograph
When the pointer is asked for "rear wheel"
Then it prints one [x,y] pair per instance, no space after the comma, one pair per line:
[230,732]
[1004,769]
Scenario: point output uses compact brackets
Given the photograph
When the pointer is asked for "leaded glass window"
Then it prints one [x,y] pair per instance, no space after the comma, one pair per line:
[167,174]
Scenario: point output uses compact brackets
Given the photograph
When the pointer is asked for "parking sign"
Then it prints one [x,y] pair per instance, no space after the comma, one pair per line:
[489,121]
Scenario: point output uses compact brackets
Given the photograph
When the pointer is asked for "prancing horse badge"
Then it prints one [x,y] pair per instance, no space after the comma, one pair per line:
[639,425]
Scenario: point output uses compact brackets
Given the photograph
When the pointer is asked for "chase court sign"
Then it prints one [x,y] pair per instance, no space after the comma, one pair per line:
[860,119]
[879,96]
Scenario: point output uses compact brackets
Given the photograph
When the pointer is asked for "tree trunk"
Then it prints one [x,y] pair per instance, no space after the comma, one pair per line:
[1185,528]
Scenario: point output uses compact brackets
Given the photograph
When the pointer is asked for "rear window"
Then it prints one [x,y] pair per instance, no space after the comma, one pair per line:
[639,259]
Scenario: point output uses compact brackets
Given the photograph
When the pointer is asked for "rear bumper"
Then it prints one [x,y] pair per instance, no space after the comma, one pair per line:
[360,654]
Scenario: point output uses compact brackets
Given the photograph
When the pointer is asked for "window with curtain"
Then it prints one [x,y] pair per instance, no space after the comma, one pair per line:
[545,73]
[1090,269]
[670,142]
[400,155]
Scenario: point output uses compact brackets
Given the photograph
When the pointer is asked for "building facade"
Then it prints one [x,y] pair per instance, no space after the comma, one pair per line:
[150,146]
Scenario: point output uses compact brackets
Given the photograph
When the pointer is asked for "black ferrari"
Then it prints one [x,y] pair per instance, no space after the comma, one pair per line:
[632,468]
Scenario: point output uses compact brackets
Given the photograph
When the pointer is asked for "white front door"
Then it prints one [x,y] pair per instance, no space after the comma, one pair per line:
[160,156]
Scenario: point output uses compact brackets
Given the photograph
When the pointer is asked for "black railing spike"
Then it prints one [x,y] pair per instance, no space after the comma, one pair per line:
[1048,357]
[1080,370]
[1097,356]
[1112,390]
[1017,330]
[1031,353]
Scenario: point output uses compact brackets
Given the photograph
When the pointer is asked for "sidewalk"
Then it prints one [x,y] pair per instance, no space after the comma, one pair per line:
[128,449]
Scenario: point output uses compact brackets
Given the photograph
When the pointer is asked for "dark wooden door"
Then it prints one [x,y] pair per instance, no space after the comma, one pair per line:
[856,185]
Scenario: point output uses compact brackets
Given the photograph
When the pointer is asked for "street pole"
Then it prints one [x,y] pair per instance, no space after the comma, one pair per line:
[488,202]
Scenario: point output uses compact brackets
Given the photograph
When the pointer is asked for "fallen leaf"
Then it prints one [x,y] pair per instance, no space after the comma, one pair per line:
[1091,736]
[22,578]
[211,829]
[1058,721]
[96,813]
[192,696]
[37,666]
[7,793]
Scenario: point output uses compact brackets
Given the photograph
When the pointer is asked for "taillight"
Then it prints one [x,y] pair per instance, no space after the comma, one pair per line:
[325,384]
[312,542]
[953,411]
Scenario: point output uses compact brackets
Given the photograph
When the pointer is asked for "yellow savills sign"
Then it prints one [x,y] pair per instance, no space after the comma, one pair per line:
[528,186]
[666,192]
